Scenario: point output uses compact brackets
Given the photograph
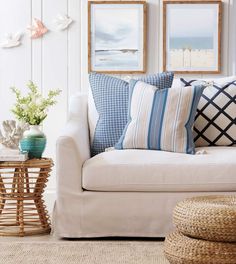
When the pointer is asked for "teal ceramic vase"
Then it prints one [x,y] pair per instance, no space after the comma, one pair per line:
[34,142]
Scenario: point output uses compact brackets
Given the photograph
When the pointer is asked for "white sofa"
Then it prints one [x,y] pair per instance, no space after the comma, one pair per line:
[129,192]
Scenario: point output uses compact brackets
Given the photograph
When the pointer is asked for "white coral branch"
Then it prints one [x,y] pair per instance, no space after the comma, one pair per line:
[13,133]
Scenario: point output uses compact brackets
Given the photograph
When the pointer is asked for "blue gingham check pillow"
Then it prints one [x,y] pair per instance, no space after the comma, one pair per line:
[111,97]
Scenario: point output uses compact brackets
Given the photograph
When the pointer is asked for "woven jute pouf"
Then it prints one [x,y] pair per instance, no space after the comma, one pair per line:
[208,217]
[180,249]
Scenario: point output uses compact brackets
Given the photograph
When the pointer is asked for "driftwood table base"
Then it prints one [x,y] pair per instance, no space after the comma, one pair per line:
[22,208]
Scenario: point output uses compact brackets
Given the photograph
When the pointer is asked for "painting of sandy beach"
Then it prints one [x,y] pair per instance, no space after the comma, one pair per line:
[192,37]
[117,37]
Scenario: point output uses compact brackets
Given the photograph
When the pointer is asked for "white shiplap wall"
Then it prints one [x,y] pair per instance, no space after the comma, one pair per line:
[59,59]
[52,62]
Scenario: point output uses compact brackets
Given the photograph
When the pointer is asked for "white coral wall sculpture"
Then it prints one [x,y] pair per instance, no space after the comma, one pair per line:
[13,133]
[62,22]
[11,40]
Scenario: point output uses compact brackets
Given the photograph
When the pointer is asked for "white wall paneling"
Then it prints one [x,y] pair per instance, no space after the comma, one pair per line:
[54,73]
[51,62]
[36,52]
[74,47]
[59,59]
[232,36]
[15,63]
[225,37]
[84,45]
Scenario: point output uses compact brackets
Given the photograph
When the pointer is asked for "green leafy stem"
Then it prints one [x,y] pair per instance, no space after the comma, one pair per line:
[33,107]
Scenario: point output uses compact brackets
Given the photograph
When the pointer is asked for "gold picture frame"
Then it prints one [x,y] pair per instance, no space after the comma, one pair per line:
[116,43]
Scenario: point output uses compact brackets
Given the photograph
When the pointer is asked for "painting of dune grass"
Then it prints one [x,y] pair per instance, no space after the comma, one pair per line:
[191,37]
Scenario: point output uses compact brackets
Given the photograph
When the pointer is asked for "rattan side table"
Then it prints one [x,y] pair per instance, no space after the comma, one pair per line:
[22,208]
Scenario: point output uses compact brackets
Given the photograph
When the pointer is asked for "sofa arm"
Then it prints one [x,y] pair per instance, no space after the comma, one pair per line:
[72,148]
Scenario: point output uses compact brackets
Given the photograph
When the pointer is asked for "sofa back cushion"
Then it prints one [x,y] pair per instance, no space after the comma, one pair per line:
[108,107]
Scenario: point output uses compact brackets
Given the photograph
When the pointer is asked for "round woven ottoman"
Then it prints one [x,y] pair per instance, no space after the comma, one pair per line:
[180,249]
[208,217]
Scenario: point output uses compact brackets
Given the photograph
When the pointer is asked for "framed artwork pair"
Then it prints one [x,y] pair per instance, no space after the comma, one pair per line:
[191,36]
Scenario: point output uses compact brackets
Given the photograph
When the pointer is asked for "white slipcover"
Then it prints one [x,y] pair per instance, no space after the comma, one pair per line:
[82,213]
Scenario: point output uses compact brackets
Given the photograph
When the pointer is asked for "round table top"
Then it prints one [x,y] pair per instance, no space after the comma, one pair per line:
[30,163]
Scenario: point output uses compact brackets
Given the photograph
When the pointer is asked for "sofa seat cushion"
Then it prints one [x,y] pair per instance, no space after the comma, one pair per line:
[150,170]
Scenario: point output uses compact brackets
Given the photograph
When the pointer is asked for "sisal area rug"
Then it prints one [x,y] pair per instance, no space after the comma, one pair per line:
[84,252]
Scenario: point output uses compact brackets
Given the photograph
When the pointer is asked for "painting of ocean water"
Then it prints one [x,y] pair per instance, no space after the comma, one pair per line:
[117,58]
[192,37]
[191,43]
[117,37]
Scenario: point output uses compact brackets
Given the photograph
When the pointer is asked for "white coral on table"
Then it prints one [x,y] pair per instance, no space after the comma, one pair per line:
[13,133]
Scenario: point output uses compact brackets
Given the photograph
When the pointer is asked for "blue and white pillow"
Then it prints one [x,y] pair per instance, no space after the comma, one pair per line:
[215,122]
[111,97]
[160,119]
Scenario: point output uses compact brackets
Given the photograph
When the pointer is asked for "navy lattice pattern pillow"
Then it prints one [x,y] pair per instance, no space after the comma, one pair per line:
[215,122]
[111,96]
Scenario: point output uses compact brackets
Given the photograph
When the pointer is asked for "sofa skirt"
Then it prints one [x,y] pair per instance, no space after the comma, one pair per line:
[117,214]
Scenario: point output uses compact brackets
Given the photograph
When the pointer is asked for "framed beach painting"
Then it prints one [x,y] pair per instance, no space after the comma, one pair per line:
[191,36]
[117,36]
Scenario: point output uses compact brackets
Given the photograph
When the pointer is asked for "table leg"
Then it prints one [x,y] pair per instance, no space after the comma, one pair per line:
[20,204]
[17,190]
[3,191]
[14,181]
[39,186]
[27,180]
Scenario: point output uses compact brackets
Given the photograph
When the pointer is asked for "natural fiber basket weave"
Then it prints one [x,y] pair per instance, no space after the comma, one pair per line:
[208,217]
[22,208]
[180,249]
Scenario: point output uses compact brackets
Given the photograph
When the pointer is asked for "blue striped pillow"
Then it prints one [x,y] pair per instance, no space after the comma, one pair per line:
[111,96]
[160,119]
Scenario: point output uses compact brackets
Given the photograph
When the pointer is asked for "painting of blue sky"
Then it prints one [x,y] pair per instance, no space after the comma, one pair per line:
[117,37]
[192,31]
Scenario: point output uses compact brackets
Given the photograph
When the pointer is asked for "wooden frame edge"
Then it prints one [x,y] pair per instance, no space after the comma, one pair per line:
[164,35]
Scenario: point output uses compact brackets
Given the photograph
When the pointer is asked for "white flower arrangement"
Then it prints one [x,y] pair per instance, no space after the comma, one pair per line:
[32,109]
